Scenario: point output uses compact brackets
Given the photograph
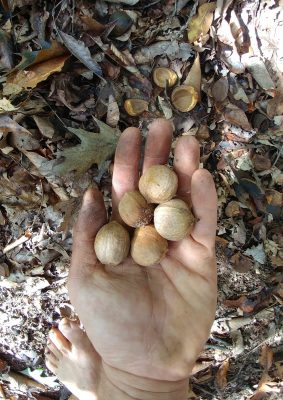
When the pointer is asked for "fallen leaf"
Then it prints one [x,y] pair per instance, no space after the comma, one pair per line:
[6,106]
[221,375]
[94,148]
[266,357]
[31,77]
[275,106]
[18,136]
[252,305]
[113,113]
[6,51]
[194,76]
[220,89]
[81,52]
[200,24]
[171,49]
[45,126]
[259,72]
[257,253]
[30,58]
[261,162]
[129,2]
[241,263]
[236,116]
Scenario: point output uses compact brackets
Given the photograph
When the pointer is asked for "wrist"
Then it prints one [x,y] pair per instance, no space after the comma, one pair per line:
[122,385]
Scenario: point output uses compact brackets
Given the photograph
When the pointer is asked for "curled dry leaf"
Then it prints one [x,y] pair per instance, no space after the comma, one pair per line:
[18,135]
[200,24]
[30,58]
[79,50]
[30,78]
[172,49]
[194,76]
[220,89]
[113,113]
[237,117]
[6,106]
[259,72]
[221,375]
[266,357]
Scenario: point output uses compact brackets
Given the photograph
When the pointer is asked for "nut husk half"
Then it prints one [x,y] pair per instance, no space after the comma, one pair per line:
[184,98]
[112,243]
[163,77]
[148,247]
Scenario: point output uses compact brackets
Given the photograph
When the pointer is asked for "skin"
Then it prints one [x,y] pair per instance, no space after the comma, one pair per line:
[148,325]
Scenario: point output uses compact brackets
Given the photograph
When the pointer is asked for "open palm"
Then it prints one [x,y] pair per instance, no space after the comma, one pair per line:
[150,322]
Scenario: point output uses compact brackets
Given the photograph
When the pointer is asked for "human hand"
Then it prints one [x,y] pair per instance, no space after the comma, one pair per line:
[148,322]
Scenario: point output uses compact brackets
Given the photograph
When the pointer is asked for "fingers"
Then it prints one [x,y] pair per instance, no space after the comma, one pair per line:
[91,217]
[186,162]
[204,202]
[126,165]
[158,143]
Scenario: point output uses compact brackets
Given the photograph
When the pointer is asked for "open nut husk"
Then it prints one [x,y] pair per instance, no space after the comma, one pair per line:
[163,77]
[135,107]
[184,98]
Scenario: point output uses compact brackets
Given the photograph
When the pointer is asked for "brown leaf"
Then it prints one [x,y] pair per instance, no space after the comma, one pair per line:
[17,135]
[236,116]
[31,77]
[266,357]
[261,162]
[248,306]
[275,106]
[194,76]
[241,263]
[220,89]
[221,375]
[199,24]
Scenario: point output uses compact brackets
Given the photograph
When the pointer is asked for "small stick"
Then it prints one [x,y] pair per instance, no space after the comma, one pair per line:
[17,242]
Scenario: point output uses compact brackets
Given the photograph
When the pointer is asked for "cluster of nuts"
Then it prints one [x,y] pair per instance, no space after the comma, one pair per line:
[156,216]
[183,97]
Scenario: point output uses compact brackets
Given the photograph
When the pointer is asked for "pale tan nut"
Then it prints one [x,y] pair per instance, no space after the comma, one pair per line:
[135,107]
[134,209]
[158,184]
[112,244]
[173,220]
[148,247]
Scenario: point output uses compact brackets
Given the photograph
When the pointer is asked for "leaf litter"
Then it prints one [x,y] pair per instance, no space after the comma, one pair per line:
[67,76]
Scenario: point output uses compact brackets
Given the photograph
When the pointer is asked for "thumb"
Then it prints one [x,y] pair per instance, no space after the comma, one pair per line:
[91,218]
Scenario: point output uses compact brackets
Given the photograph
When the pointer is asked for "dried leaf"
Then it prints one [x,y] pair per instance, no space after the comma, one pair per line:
[94,148]
[129,2]
[236,116]
[6,51]
[241,263]
[171,49]
[6,106]
[18,136]
[79,50]
[257,253]
[194,76]
[221,375]
[113,113]
[200,24]
[30,58]
[45,126]
[33,76]
[220,89]
[266,357]
[259,72]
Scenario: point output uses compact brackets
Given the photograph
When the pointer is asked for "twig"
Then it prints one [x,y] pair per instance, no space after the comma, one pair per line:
[17,242]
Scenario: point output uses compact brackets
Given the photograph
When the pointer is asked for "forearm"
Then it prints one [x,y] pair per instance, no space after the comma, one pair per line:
[119,385]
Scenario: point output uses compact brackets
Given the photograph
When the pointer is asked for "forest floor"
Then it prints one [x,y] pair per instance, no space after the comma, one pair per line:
[66,69]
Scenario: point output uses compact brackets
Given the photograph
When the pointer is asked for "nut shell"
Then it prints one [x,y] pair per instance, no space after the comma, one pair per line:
[135,107]
[123,23]
[163,77]
[173,220]
[148,247]
[184,98]
[134,209]
[158,184]
[112,243]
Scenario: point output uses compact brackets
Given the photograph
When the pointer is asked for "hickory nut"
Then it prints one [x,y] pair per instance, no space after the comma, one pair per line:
[112,243]
[148,247]
[173,220]
[134,209]
[158,184]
